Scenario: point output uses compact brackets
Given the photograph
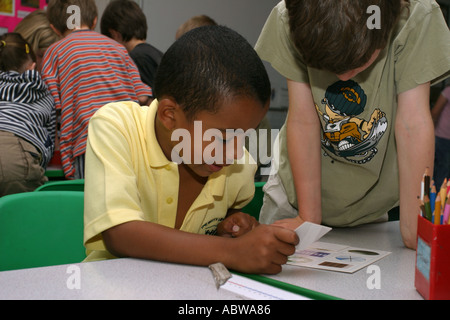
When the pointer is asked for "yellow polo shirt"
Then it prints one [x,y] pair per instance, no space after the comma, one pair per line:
[128,178]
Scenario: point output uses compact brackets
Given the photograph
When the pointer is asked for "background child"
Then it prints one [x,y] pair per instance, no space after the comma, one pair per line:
[441,118]
[140,203]
[124,21]
[84,71]
[194,22]
[27,118]
[35,29]
[359,133]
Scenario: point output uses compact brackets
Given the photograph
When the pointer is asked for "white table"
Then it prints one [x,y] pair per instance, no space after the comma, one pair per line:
[139,279]
[113,279]
[396,270]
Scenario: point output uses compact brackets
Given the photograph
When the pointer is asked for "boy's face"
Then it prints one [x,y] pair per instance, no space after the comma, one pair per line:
[217,139]
[352,73]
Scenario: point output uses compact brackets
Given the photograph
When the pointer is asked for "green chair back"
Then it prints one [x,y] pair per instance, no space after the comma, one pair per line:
[254,207]
[64,185]
[55,174]
[41,229]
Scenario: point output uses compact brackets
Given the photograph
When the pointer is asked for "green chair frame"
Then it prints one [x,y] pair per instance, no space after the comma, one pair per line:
[254,207]
[40,229]
[64,185]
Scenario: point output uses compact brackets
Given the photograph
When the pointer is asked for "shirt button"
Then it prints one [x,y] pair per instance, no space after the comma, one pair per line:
[169,200]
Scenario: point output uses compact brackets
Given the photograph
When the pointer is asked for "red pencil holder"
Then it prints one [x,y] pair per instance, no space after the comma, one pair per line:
[432,278]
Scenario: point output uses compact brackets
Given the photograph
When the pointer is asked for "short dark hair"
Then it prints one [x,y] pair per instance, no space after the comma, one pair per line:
[206,66]
[125,17]
[15,52]
[57,13]
[333,35]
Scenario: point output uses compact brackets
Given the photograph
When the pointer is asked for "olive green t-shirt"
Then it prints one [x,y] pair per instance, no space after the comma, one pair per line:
[359,158]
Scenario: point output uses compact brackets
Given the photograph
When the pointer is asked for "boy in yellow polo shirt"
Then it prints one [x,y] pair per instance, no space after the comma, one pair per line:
[162,181]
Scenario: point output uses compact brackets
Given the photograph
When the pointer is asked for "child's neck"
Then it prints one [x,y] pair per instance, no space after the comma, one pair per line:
[133,43]
[69,31]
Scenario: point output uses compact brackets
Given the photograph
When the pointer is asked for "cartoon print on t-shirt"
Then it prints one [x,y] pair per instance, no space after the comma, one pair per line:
[346,135]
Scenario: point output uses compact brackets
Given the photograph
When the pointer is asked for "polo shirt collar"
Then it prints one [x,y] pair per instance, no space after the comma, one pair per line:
[156,157]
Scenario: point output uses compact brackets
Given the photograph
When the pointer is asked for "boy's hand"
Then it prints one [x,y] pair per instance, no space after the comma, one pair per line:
[264,250]
[237,224]
[291,223]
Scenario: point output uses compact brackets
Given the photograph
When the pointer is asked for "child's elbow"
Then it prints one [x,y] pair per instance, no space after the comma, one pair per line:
[410,240]
[113,245]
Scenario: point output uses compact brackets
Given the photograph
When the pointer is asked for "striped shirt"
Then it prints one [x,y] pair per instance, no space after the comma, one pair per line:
[27,110]
[84,71]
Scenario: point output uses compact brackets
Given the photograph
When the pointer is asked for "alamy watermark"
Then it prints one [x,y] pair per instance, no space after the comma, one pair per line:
[214,146]
[74,20]
[374,280]
[374,21]
[73,282]
[258,143]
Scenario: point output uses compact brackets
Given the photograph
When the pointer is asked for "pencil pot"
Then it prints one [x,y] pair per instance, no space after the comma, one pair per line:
[432,278]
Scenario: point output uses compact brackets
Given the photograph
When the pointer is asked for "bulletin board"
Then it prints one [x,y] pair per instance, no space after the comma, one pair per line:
[12,11]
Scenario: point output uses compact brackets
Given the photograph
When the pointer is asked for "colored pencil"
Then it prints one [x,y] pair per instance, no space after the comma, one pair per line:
[433,196]
[448,186]
[447,210]
[426,179]
[421,206]
[427,205]
[437,210]
[443,193]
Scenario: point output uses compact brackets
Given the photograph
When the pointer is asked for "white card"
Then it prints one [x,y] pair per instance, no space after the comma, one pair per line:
[309,233]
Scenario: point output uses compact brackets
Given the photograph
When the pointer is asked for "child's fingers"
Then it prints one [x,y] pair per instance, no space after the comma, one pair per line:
[287,236]
[242,224]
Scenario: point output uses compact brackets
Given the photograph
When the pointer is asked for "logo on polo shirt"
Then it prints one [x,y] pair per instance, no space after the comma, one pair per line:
[210,227]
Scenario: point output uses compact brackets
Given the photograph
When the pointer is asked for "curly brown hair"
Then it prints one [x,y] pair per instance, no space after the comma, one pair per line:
[333,35]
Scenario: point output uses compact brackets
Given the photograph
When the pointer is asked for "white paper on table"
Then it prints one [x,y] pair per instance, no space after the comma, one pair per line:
[255,290]
[309,233]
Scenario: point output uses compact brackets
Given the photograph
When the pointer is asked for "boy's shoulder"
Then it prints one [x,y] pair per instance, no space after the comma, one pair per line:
[417,9]
[119,110]
[415,14]
[426,5]
[80,39]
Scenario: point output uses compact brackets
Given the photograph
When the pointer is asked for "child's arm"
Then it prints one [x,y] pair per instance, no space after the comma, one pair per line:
[303,144]
[263,250]
[414,133]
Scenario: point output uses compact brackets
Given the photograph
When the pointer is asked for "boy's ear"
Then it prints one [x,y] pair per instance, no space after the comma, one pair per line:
[116,35]
[167,113]
[94,24]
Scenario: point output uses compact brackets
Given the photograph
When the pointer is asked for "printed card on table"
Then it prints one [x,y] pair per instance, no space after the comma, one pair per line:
[335,257]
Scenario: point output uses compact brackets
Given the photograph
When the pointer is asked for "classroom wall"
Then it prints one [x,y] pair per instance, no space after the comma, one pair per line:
[244,16]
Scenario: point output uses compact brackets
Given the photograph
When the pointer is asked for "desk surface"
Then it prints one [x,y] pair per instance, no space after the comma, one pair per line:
[113,279]
[139,279]
[397,270]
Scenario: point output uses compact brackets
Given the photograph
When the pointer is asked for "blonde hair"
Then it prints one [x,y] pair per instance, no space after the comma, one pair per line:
[35,29]
[194,22]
